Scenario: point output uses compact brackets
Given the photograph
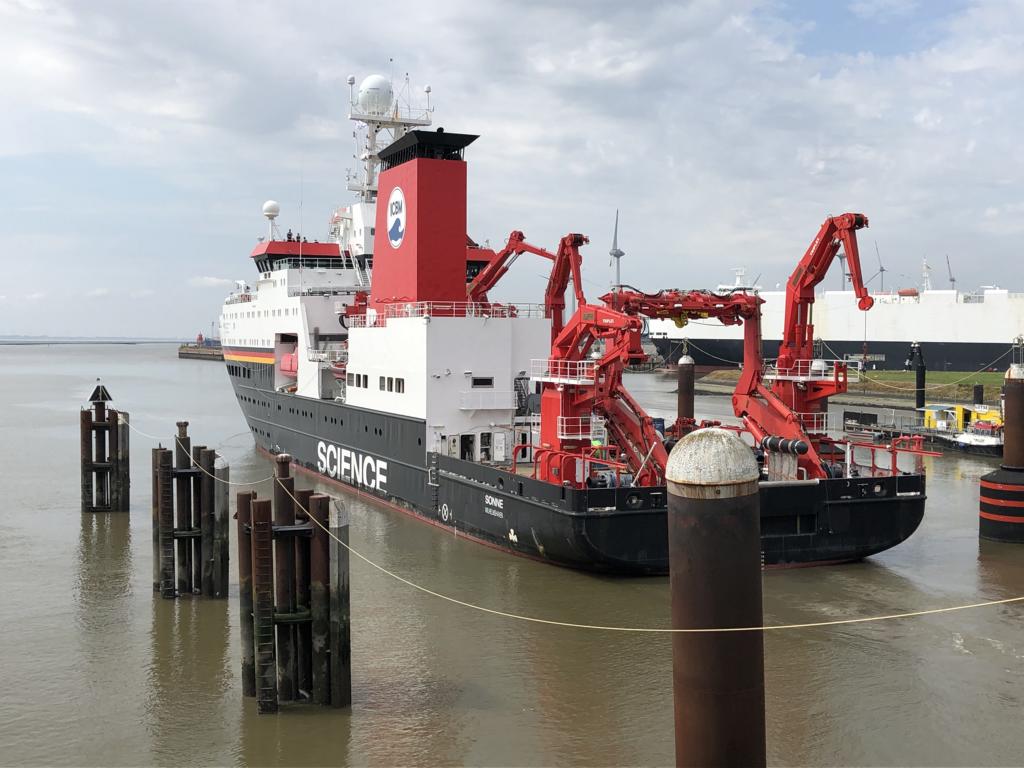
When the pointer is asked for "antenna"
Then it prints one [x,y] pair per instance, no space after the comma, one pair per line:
[952,280]
[616,253]
[926,273]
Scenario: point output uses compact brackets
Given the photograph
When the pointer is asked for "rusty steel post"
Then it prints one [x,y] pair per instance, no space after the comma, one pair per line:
[262,538]
[124,460]
[303,631]
[114,473]
[284,579]
[243,506]
[319,604]
[684,391]
[85,426]
[165,482]
[202,501]
[221,526]
[183,491]
[919,375]
[156,518]
[1001,511]
[715,579]
[341,641]
[100,456]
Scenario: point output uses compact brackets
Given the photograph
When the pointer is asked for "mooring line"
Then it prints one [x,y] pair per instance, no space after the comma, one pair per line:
[929,386]
[596,627]
[195,464]
[647,630]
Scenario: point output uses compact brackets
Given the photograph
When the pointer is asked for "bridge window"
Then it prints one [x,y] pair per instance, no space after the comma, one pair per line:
[483,381]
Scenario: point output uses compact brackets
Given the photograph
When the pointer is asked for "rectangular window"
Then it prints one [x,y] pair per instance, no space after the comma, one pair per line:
[391,384]
[366,381]
[350,379]
[483,381]
[399,385]
[381,383]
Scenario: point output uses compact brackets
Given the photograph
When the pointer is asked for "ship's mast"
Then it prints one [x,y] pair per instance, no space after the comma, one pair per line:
[378,110]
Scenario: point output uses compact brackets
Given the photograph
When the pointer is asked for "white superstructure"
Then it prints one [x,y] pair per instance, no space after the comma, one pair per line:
[989,316]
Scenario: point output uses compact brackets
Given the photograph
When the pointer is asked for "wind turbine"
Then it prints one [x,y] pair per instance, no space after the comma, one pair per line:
[880,273]
[616,253]
[952,280]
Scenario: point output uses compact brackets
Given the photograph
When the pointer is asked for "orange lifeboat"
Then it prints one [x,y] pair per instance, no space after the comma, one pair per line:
[289,365]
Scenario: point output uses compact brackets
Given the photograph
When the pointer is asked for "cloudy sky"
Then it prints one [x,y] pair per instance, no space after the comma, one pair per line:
[138,140]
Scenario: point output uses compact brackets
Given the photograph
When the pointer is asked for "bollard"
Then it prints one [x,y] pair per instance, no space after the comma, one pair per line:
[183,493]
[715,579]
[341,642]
[262,537]
[319,605]
[243,506]
[221,525]
[303,631]
[166,521]
[1001,508]
[202,500]
[284,579]
[684,390]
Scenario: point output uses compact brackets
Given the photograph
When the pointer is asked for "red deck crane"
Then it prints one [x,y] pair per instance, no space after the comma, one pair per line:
[581,388]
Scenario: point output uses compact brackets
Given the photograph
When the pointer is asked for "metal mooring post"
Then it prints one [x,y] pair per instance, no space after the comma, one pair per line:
[284,579]
[183,511]
[104,455]
[684,390]
[1001,513]
[303,630]
[243,512]
[341,642]
[919,375]
[319,606]
[715,577]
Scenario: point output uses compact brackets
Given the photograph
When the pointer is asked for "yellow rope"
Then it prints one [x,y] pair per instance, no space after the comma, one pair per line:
[603,627]
[196,464]
[654,630]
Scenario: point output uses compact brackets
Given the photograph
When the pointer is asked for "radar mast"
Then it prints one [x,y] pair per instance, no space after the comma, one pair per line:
[379,110]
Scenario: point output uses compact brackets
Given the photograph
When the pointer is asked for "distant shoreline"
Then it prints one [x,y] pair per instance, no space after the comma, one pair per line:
[79,342]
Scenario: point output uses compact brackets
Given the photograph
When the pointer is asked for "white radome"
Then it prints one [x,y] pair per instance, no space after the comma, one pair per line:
[375,95]
[271,209]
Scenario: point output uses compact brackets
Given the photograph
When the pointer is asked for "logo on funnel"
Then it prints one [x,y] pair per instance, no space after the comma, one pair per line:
[396,217]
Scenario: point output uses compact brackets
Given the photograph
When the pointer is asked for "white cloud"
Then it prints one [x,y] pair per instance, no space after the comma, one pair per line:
[36,296]
[883,9]
[98,292]
[210,282]
[720,133]
[141,293]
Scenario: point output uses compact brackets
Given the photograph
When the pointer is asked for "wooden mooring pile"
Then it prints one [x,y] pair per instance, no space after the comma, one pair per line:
[293,573]
[190,519]
[106,479]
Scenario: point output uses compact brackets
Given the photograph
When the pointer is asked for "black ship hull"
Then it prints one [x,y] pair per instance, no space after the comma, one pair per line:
[881,355]
[610,530]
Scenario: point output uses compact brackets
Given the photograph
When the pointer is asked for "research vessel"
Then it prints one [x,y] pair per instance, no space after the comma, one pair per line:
[378,360]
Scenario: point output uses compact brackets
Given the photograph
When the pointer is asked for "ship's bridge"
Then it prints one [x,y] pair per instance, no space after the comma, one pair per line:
[283,254]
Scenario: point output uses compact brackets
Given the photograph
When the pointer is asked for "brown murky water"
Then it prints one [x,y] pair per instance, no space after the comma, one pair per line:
[95,671]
